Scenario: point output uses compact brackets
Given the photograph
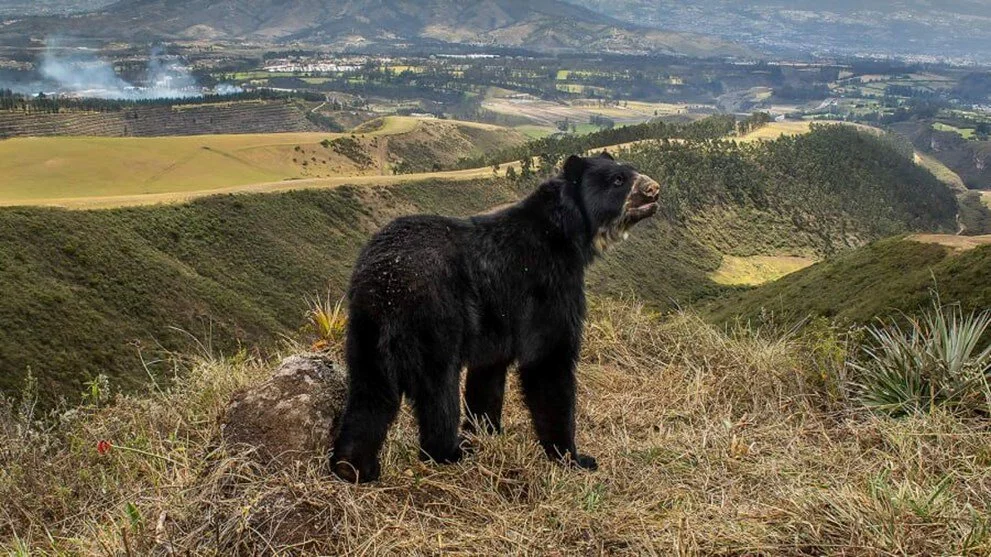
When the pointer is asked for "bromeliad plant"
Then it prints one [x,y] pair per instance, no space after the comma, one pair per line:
[941,359]
[328,321]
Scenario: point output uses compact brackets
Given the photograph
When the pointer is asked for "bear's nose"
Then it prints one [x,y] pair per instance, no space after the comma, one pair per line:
[646,186]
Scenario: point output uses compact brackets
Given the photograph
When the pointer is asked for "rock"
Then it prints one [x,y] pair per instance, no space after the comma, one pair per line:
[293,416]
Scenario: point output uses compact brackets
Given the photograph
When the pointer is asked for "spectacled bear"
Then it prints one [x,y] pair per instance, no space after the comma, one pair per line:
[430,295]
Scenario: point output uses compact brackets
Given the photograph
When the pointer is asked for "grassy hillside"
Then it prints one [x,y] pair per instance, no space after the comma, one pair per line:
[708,444]
[80,287]
[36,170]
[816,193]
[885,277]
[971,160]
[83,291]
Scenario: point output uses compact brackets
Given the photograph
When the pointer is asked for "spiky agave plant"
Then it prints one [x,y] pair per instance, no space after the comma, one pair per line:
[942,358]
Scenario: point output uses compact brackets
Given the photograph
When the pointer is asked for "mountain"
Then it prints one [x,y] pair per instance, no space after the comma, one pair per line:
[49,7]
[956,29]
[544,24]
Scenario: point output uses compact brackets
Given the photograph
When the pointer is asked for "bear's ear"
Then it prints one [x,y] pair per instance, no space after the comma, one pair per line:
[574,168]
[605,155]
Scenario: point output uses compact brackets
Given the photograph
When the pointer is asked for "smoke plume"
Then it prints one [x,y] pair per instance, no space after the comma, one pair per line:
[80,72]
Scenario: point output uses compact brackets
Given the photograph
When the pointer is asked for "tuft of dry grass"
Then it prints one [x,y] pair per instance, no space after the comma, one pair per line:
[327,321]
[709,442]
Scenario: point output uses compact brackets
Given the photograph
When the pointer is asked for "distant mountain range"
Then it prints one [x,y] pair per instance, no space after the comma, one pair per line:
[958,29]
[13,8]
[549,25]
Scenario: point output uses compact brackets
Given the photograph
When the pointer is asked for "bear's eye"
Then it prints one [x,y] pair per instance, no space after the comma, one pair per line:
[618,181]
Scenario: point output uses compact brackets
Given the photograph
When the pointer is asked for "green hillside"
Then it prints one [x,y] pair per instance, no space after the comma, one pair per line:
[83,292]
[831,189]
[889,276]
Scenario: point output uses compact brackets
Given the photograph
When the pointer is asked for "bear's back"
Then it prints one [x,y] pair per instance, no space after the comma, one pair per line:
[408,259]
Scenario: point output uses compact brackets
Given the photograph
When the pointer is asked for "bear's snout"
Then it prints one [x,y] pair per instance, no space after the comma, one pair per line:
[642,201]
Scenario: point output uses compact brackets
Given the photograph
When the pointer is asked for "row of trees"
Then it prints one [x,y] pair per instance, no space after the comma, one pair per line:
[11,101]
[553,149]
[753,122]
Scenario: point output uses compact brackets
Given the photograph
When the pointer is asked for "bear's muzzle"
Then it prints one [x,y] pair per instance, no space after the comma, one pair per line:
[642,201]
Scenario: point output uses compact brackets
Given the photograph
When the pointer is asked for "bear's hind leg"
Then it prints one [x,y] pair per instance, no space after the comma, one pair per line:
[485,388]
[373,402]
[364,426]
[438,414]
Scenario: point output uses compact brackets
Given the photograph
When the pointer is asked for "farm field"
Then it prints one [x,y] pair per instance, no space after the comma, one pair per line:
[535,132]
[548,113]
[106,172]
[774,130]
[966,133]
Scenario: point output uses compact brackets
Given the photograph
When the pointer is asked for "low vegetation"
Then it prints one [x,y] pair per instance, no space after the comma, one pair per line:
[939,360]
[554,148]
[708,442]
[350,148]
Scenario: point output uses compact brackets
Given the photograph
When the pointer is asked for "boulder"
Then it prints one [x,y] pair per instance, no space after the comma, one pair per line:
[293,416]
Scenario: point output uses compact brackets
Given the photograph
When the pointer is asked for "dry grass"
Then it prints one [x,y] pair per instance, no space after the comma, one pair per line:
[959,243]
[774,130]
[940,171]
[113,201]
[86,172]
[757,269]
[708,443]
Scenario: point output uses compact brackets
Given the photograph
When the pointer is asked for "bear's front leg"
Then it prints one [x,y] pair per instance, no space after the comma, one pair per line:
[548,384]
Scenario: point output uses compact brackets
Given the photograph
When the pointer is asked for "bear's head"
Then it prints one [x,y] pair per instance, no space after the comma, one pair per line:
[613,196]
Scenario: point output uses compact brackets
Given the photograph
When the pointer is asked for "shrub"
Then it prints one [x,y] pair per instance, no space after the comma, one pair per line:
[942,358]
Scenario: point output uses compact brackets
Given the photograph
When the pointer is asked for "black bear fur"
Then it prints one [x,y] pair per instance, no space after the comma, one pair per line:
[430,295]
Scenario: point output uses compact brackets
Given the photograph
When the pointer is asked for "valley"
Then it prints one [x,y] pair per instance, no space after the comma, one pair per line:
[790,357]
